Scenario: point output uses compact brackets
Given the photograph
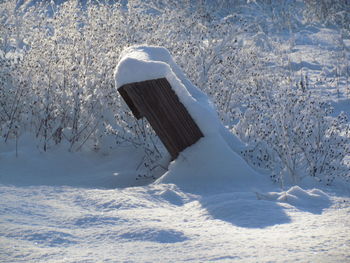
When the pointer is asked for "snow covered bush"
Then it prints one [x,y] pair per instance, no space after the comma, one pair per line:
[12,98]
[336,12]
[293,135]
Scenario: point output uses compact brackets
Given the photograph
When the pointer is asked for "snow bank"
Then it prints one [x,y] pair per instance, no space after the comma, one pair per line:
[213,158]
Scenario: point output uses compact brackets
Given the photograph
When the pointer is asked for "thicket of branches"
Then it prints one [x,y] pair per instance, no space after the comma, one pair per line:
[56,81]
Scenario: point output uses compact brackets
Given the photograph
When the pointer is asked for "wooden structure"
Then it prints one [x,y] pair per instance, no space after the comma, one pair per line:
[157,102]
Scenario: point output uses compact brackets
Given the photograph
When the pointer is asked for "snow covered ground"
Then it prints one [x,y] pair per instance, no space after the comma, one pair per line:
[162,223]
[321,54]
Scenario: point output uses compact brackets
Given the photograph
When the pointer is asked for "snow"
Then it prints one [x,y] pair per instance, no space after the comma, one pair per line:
[210,165]
[298,197]
[60,167]
[319,53]
[209,206]
[163,223]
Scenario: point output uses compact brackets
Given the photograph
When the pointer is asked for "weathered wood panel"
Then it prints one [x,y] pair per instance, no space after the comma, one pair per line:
[155,100]
[129,102]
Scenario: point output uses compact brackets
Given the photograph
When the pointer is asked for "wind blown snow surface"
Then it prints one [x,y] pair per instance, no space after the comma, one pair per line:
[209,206]
[162,223]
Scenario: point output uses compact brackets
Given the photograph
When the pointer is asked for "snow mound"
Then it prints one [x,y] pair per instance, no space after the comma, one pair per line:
[213,159]
[210,165]
[298,197]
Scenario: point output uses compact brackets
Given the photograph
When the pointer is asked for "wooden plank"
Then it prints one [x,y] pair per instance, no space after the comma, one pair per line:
[129,102]
[156,100]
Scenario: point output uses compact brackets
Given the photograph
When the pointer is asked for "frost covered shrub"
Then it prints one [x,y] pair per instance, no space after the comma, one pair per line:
[64,81]
[12,98]
[329,12]
[69,57]
[65,78]
[66,70]
[12,93]
[293,135]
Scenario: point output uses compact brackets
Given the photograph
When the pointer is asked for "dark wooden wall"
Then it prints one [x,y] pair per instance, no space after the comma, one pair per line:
[157,102]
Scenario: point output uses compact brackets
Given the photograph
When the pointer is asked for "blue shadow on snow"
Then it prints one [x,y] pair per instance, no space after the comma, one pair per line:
[245,211]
